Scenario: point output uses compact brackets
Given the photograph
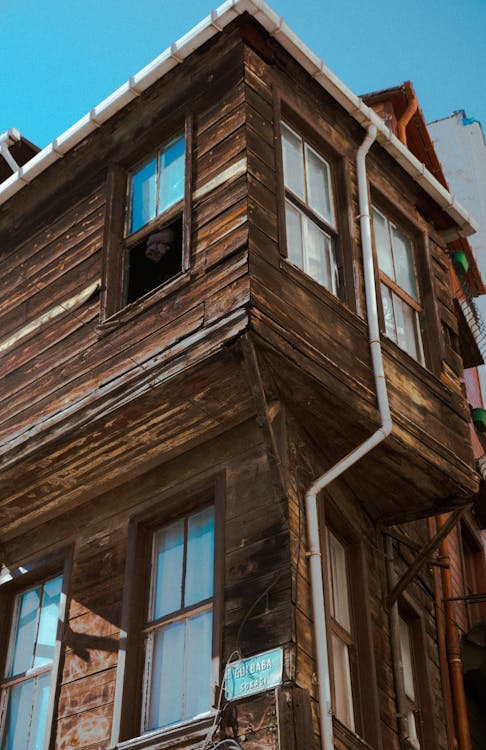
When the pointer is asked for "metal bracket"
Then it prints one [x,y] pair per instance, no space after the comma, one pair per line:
[424,553]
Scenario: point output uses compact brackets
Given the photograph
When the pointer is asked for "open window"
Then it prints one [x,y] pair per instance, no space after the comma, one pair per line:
[310,215]
[147,242]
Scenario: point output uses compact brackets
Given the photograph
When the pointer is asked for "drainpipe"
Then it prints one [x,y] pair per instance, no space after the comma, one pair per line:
[408,114]
[7,139]
[314,553]
[461,719]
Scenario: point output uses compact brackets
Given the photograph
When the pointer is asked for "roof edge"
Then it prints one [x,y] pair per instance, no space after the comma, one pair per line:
[191,41]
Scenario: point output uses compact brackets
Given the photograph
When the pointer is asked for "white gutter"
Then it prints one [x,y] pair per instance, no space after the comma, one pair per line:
[178,52]
[314,553]
[7,139]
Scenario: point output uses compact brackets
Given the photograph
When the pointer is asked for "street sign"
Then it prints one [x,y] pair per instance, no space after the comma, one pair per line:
[254,674]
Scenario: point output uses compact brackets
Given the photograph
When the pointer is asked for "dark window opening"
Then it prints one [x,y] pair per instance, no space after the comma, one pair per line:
[154,260]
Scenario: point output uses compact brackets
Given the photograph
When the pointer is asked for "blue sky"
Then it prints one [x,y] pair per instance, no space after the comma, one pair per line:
[59,58]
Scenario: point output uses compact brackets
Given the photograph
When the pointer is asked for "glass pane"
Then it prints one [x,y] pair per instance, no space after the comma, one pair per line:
[408,335]
[200,557]
[319,193]
[388,313]
[169,552]
[26,631]
[143,195]
[198,664]
[339,582]
[16,731]
[343,695]
[403,256]
[406,653]
[46,637]
[293,162]
[167,676]
[315,253]
[171,175]
[39,716]
[293,223]
[383,245]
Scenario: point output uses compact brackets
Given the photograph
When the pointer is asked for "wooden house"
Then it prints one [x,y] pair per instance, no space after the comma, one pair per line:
[185,307]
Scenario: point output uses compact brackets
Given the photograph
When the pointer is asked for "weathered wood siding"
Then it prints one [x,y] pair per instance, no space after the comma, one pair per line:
[316,332]
[257,581]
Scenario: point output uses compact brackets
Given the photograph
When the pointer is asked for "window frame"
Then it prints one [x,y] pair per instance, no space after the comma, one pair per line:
[13,583]
[416,305]
[118,241]
[411,614]
[304,126]
[131,690]
[364,685]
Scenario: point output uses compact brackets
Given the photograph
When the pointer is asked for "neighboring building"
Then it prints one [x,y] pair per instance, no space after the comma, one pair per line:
[186,303]
[459,142]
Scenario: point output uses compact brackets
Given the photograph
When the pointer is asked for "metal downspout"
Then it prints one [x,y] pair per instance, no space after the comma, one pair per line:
[7,139]
[314,553]
[408,114]
[461,719]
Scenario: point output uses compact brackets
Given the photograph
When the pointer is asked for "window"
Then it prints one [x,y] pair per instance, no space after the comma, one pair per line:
[154,220]
[309,210]
[178,634]
[342,644]
[28,675]
[399,288]
[147,234]
[168,665]
[409,678]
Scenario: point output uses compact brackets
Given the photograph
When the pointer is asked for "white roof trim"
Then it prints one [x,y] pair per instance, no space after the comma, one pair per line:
[177,53]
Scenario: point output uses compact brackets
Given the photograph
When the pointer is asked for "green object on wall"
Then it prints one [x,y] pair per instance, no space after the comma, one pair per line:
[479,419]
[460,261]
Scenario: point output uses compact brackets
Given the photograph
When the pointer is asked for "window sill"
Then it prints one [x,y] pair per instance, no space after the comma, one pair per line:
[139,306]
[190,732]
[349,738]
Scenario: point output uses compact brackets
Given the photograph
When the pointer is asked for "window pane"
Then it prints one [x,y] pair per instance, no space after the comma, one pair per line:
[200,557]
[293,162]
[319,195]
[26,631]
[405,272]
[408,335]
[198,664]
[167,676]
[293,222]
[342,682]
[383,245]
[15,736]
[39,716]
[46,638]
[388,313]
[406,653]
[315,253]
[171,176]
[169,551]
[339,582]
[143,195]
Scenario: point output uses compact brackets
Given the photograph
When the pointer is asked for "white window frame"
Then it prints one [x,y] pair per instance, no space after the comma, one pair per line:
[310,219]
[409,678]
[395,296]
[341,634]
[183,614]
[12,587]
